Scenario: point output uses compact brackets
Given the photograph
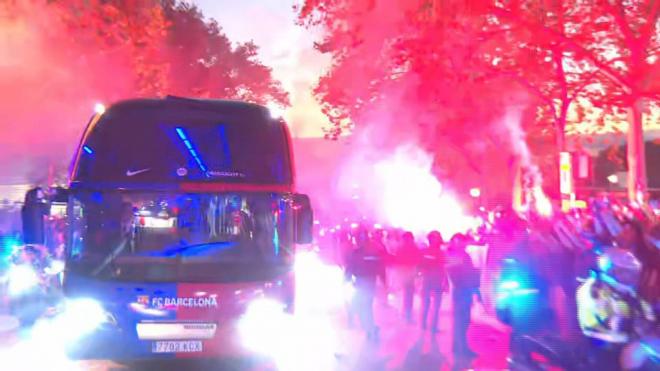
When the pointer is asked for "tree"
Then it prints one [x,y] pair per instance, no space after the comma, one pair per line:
[60,57]
[172,49]
[620,40]
[129,31]
[546,67]
[562,52]
[204,63]
[420,67]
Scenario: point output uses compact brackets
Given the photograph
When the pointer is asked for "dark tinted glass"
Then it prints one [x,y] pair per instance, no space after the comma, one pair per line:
[149,146]
[178,237]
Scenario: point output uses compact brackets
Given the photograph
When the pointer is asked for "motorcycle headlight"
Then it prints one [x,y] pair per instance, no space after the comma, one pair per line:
[510,285]
[20,279]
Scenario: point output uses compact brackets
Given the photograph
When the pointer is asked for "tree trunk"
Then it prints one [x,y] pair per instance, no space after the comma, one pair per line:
[637,186]
[560,132]
[561,127]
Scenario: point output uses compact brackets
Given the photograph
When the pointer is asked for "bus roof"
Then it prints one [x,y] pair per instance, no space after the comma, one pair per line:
[172,102]
[177,140]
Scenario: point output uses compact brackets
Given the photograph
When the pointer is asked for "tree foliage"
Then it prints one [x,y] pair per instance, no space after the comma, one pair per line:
[60,57]
[457,66]
[602,52]
[203,62]
[165,46]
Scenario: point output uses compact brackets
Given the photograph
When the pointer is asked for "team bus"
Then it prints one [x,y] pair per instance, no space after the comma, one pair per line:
[182,213]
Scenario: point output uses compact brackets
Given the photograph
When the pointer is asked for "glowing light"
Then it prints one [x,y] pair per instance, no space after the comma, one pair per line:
[649,350]
[193,153]
[99,108]
[391,298]
[21,278]
[51,355]
[475,192]
[263,320]
[88,150]
[84,316]
[580,204]
[276,111]
[319,287]
[157,223]
[542,203]
[411,197]
[614,179]
[143,309]
[510,285]
[604,263]
[56,267]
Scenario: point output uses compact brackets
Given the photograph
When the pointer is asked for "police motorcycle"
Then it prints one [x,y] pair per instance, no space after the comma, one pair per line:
[522,302]
[620,330]
[32,283]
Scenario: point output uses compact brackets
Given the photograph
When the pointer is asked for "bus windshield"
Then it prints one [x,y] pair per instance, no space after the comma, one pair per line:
[179,237]
[150,147]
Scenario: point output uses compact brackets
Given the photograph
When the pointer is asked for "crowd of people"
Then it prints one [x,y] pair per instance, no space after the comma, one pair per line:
[398,262]
[559,250]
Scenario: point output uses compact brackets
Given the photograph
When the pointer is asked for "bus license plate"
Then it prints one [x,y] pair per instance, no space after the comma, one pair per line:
[176,347]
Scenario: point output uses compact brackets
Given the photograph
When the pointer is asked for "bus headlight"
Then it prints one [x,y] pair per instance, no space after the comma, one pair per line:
[263,325]
[83,316]
[21,278]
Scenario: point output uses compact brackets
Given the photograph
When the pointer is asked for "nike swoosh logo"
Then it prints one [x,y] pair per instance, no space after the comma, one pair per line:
[136,172]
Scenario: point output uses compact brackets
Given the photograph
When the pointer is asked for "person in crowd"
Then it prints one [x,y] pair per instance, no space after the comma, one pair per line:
[407,259]
[608,302]
[434,279]
[378,243]
[634,239]
[364,266]
[379,247]
[465,284]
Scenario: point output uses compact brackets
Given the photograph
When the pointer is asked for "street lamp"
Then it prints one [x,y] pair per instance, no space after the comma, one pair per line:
[475,192]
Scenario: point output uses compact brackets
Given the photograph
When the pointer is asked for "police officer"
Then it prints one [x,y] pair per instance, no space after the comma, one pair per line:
[434,279]
[606,303]
[465,283]
[364,266]
[407,259]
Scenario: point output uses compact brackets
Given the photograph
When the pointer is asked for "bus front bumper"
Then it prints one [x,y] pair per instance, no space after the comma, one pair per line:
[125,345]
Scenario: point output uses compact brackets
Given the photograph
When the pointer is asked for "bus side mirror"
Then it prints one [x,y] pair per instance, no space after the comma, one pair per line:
[304,219]
[33,212]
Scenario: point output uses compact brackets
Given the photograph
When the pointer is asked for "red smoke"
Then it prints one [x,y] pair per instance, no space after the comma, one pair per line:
[49,82]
